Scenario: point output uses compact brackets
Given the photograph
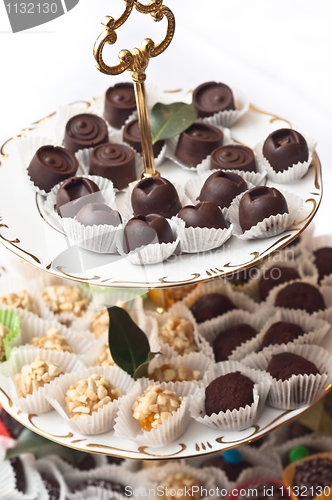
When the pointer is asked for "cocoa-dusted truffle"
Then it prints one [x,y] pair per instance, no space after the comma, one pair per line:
[274,276]
[259,203]
[233,156]
[281,332]
[74,193]
[51,165]
[210,306]
[284,148]
[229,339]
[211,97]
[146,229]
[300,295]
[197,142]
[323,261]
[221,188]
[312,475]
[132,136]
[204,214]
[115,162]
[228,392]
[85,131]
[119,103]
[95,214]
[155,195]
[285,364]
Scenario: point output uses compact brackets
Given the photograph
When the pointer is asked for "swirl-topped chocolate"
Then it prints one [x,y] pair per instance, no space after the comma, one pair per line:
[132,136]
[115,162]
[197,142]
[51,165]
[212,97]
[233,156]
[85,131]
[119,104]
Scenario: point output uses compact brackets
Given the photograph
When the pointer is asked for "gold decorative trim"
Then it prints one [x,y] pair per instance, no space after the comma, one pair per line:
[54,436]
[142,449]
[273,119]
[314,202]
[45,220]
[12,242]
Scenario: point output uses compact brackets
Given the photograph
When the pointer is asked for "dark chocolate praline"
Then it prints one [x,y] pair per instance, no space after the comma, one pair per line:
[228,340]
[212,97]
[115,162]
[228,392]
[284,148]
[85,131]
[323,261]
[222,187]
[74,193]
[119,104]
[96,214]
[274,276]
[51,165]
[132,136]
[210,306]
[144,230]
[284,365]
[300,295]
[259,203]
[197,142]
[281,332]
[233,157]
[155,195]
[204,214]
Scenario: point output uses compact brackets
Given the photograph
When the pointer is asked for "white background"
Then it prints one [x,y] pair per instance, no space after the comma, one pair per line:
[278,51]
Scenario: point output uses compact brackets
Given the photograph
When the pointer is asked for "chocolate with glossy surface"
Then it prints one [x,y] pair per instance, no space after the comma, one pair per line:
[228,340]
[132,136]
[115,162]
[96,214]
[155,195]
[210,306]
[120,103]
[74,193]
[144,230]
[274,276]
[85,131]
[204,214]
[284,148]
[197,142]
[259,203]
[285,364]
[281,332]
[233,156]
[211,97]
[228,392]
[300,295]
[222,187]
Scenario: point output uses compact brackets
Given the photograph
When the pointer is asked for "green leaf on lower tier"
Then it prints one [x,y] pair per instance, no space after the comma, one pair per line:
[169,120]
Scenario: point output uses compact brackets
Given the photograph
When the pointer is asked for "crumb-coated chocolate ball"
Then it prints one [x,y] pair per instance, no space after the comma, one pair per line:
[284,148]
[74,193]
[96,214]
[85,131]
[229,339]
[20,478]
[300,295]
[119,104]
[233,157]
[211,97]
[210,306]
[323,261]
[232,468]
[312,474]
[204,214]
[228,392]
[155,195]
[275,275]
[281,332]
[52,486]
[115,162]
[222,187]
[132,136]
[285,364]
[197,142]
[259,203]
[100,483]
[144,230]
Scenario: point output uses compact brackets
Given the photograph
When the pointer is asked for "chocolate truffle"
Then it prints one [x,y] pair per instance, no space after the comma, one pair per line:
[132,136]
[312,474]
[95,214]
[234,157]
[211,97]
[229,463]
[119,104]
[323,261]
[115,162]
[144,230]
[100,483]
[300,295]
[210,306]
[52,486]
[274,276]
[228,392]
[51,165]
[197,142]
[286,364]
[204,214]
[85,131]
[229,339]
[221,188]
[284,148]
[74,193]
[155,195]
[281,332]
[18,469]
[259,203]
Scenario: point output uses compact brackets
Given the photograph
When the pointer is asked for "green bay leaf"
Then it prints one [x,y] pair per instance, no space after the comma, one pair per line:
[169,120]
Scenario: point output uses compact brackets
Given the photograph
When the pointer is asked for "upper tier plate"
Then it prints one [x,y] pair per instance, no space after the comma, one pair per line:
[27,231]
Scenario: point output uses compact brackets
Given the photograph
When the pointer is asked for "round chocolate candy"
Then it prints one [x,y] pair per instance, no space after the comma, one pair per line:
[210,306]
[144,230]
[259,203]
[281,332]
[74,193]
[233,156]
[211,97]
[323,261]
[132,136]
[85,131]
[96,214]
[284,365]
[228,340]
[115,162]
[119,104]
[197,142]
[284,148]
[155,195]
[228,392]
[51,165]
[204,214]
[274,276]
[300,295]
[221,188]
